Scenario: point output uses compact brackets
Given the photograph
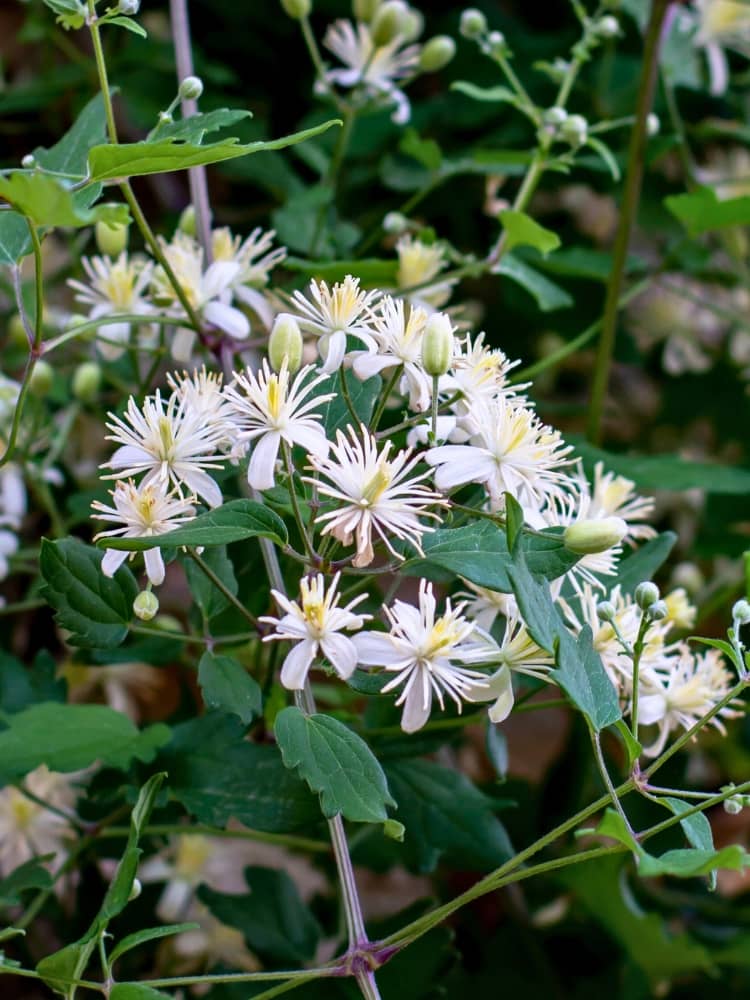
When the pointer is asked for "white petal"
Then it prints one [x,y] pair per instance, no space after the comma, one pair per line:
[375,649]
[228,319]
[110,342]
[260,472]
[312,440]
[341,653]
[112,561]
[218,278]
[297,663]
[332,348]
[416,708]
[154,566]
[182,344]
[201,483]
[257,302]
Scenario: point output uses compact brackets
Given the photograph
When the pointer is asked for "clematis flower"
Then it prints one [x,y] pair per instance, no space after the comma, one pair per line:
[269,410]
[143,511]
[315,625]
[428,654]
[418,264]
[27,828]
[335,314]
[256,258]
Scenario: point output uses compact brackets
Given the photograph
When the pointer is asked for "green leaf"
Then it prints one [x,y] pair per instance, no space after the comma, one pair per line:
[273,919]
[217,775]
[194,128]
[632,747]
[372,273]
[72,737]
[424,151]
[95,609]
[129,24]
[21,686]
[68,964]
[548,295]
[336,763]
[136,991]
[226,685]
[478,552]
[69,154]
[136,159]
[49,201]
[208,597]
[30,875]
[335,414]
[494,95]
[148,934]
[522,230]
[232,522]
[496,745]
[606,154]
[444,814]
[696,828]
[645,561]
[15,241]
[701,211]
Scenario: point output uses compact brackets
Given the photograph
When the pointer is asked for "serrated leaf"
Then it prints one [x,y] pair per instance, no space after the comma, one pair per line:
[49,201]
[194,128]
[136,159]
[548,295]
[148,934]
[226,685]
[232,522]
[95,609]
[335,763]
[72,737]
[445,814]
[522,230]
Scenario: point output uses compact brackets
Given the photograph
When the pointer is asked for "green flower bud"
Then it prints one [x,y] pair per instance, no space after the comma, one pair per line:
[575,130]
[136,890]
[496,44]
[657,611]
[437,345]
[653,125]
[41,379]
[596,535]
[165,118]
[437,53]
[390,19]
[187,223]
[605,611]
[167,623]
[17,332]
[646,594]
[87,380]
[191,88]
[129,7]
[394,830]
[297,9]
[111,238]
[395,222]
[473,23]
[285,343]
[413,25]
[28,162]
[734,805]
[607,27]
[146,605]
[554,116]
[365,10]
[741,612]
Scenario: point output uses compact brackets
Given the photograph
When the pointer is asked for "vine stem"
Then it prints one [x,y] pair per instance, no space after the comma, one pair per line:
[630,200]
[222,588]
[197,177]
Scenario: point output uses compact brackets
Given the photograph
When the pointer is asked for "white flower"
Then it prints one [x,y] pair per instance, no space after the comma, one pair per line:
[173,442]
[13,499]
[144,511]
[201,394]
[269,410]
[256,259]
[315,625]
[615,496]
[418,264]
[126,687]
[427,654]
[27,829]
[512,451]
[480,374]
[399,337]
[335,314]
[115,286]
[483,605]
[374,492]
[208,292]
[375,68]
[722,23]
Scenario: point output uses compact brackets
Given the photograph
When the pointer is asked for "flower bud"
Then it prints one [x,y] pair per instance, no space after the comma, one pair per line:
[394,830]
[741,612]
[28,162]
[652,124]
[365,10]
[165,118]
[689,576]
[595,535]
[473,23]
[646,594]
[87,380]
[734,805]
[605,611]
[496,43]
[437,53]
[394,222]
[657,611]
[136,888]
[191,88]
[187,222]
[285,343]
[42,377]
[575,130]
[146,605]
[607,27]
[437,345]
[111,237]
[17,332]
[413,25]
[167,623]
[128,7]
[297,9]
[554,116]
[391,18]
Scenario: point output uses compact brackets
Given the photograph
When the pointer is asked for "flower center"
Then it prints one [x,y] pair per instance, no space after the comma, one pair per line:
[444,634]
[192,854]
[23,810]
[377,485]
[314,611]
[275,396]
[166,438]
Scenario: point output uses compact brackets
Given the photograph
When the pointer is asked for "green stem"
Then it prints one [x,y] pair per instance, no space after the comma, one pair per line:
[522,199]
[222,587]
[38,288]
[601,764]
[95,324]
[348,398]
[637,653]
[383,401]
[287,451]
[180,829]
[628,212]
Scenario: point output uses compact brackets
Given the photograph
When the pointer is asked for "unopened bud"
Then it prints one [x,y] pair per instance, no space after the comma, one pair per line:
[473,23]
[741,612]
[437,345]
[605,611]
[191,88]
[575,130]
[394,830]
[165,118]
[365,10]
[496,44]
[652,124]
[129,7]
[285,343]
[297,9]
[187,222]
[657,611]
[17,331]
[28,162]
[555,116]
[413,25]
[111,237]
[42,377]
[689,576]
[733,806]
[607,27]
[390,19]
[146,605]
[595,535]
[437,53]
[87,380]
[646,594]
[394,222]
[135,890]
